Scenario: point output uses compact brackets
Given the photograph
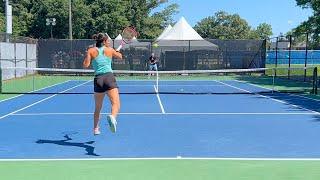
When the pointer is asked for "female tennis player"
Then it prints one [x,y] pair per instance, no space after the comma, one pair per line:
[104,82]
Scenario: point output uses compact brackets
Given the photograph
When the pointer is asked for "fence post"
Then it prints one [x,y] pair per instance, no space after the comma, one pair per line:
[26,57]
[15,56]
[0,70]
[276,62]
[226,57]
[315,81]
[0,79]
[290,45]
[71,54]
[265,55]
[305,58]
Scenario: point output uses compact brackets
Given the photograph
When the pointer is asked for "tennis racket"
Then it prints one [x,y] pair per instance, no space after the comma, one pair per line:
[127,36]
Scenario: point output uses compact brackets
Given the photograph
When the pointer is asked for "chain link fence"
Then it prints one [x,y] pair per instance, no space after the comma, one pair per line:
[17,52]
[171,55]
[296,57]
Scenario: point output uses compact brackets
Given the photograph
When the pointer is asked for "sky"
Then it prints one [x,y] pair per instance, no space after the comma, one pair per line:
[282,15]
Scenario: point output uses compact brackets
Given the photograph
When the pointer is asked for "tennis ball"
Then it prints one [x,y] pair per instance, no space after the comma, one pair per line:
[155,45]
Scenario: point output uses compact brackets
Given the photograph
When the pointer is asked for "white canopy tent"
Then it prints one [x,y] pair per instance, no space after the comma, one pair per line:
[181,47]
[119,37]
[164,33]
[182,31]
[108,36]
[117,41]
[182,35]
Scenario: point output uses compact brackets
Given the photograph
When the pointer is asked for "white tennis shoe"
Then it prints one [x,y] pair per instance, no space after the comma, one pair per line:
[112,123]
[96,131]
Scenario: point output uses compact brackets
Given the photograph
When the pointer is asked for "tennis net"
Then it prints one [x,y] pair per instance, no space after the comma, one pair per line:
[15,80]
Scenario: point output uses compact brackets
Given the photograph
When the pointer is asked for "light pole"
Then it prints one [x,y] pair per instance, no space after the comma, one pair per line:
[8,14]
[51,22]
[70,20]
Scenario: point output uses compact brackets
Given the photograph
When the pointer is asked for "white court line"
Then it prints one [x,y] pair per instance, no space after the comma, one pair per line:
[280,101]
[11,98]
[40,101]
[277,91]
[166,158]
[34,91]
[159,100]
[318,100]
[187,113]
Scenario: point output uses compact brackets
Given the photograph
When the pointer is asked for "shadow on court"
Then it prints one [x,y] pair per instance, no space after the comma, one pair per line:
[297,100]
[65,142]
[313,105]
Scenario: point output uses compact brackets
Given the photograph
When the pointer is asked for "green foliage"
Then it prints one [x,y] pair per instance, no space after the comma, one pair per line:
[42,10]
[21,16]
[297,39]
[150,25]
[2,18]
[154,25]
[88,16]
[2,23]
[312,25]
[225,26]
[82,21]
[263,31]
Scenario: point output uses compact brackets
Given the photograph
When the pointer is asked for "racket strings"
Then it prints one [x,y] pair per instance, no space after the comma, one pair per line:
[128,34]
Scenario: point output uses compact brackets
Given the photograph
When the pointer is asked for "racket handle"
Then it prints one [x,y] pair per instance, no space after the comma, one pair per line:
[118,49]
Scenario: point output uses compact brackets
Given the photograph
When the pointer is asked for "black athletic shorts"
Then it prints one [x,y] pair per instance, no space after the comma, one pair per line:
[104,82]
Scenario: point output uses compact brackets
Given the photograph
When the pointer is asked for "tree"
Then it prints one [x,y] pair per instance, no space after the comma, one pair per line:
[112,16]
[108,16]
[2,20]
[42,10]
[154,24]
[230,26]
[223,26]
[150,25]
[263,31]
[312,25]
[297,39]
[81,20]
[22,17]
[88,16]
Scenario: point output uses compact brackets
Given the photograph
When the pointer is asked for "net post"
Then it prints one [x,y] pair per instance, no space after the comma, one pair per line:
[306,58]
[290,47]
[276,61]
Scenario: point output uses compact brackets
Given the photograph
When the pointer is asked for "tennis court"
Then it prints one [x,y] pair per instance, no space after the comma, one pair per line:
[222,93]
[240,130]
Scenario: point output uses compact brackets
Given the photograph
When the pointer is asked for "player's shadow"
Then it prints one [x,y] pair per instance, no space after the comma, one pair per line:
[66,142]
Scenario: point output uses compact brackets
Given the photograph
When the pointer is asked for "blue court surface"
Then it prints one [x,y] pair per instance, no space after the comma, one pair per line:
[52,126]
